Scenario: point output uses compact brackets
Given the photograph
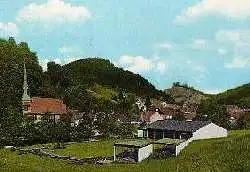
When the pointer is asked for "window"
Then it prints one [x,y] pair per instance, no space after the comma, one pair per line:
[26,107]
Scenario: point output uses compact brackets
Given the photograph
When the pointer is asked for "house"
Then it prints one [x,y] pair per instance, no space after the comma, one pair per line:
[75,117]
[235,112]
[155,113]
[174,129]
[168,111]
[37,107]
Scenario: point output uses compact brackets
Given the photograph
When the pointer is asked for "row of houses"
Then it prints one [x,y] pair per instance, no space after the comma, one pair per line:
[168,111]
[188,111]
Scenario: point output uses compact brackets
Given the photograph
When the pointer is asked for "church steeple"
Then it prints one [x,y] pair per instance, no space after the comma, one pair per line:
[26,97]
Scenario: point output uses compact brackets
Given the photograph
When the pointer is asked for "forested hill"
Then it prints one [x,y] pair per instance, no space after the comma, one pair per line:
[76,82]
[92,71]
[239,96]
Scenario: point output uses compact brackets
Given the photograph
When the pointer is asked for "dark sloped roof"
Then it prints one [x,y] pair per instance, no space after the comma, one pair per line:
[174,125]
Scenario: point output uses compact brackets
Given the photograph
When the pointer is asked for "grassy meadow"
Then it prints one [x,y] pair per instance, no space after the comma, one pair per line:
[88,149]
[225,154]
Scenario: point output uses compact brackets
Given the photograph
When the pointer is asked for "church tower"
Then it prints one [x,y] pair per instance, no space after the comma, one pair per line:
[26,98]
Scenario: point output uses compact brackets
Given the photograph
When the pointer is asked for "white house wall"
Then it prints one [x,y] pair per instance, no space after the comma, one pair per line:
[140,133]
[155,117]
[145,152]
[209,131]
[182,146]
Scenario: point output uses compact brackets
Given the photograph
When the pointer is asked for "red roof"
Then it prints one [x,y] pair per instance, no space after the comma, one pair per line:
[47,105]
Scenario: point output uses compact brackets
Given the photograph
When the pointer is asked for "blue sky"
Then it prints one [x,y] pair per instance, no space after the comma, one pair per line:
[205,43]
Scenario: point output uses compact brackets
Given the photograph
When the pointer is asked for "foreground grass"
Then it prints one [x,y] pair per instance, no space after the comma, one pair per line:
[226,154]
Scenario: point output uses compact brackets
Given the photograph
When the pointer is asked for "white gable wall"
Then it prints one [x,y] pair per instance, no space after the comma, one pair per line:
[155,117]
[140,133]
[145,152]
[209,131]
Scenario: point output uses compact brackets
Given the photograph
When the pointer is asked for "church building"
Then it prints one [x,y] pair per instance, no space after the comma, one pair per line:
[36,107]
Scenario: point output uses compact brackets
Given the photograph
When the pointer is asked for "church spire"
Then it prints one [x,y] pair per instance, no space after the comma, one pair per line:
[26,97]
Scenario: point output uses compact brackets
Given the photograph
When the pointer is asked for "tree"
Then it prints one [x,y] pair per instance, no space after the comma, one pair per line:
[213,111]
[11,72]
[244,121]
[148,102]
[126,130]
[179,116]
[62,131]
[244,102]
[11,120]
[85,129]
[176,84]
[106,124]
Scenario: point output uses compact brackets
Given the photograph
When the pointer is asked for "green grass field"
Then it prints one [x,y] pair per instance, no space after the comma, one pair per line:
[225,154]
[90,149]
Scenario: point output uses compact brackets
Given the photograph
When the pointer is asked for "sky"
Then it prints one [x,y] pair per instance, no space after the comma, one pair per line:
[205,43]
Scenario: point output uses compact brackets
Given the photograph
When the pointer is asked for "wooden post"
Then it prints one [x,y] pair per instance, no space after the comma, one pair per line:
[114,154]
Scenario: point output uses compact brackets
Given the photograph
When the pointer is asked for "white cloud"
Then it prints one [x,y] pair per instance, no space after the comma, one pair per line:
[196,70]
[165,45]
[43,63]
[233,36]
[140,64]
[199,44]
[136,64]
[66,49]
[222,51]
[238,41]
[213,91]
[8,30]
[54,11]
[234,9]
[71,59]
[161,67]
[238,63]
[57,61]
[126,59]
[70,50]
[116,64]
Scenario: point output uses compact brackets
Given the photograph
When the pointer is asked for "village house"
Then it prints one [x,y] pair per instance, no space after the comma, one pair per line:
[172,135]
[182,130]
[235,112]
[168,111]
[37,107]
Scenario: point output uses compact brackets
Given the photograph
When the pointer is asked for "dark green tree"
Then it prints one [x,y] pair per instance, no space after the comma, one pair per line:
[85,129]
[148,102]
[244,121]
[213,111]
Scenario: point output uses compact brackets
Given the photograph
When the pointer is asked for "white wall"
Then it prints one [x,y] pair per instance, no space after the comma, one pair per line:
[140,133]
[145,152]
[155,117]
[209,131]
[182,146]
